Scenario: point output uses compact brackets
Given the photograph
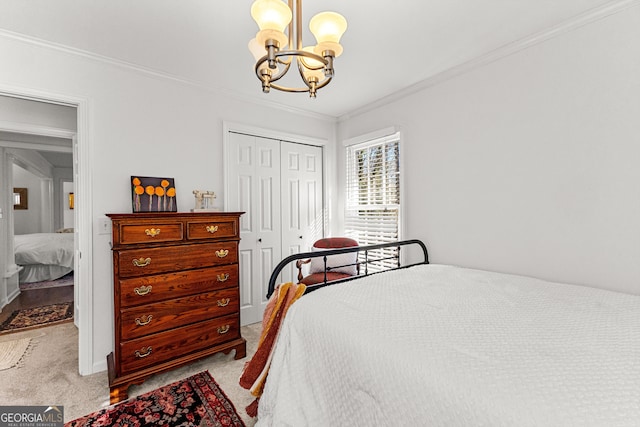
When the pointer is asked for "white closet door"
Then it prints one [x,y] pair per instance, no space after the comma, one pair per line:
[302,207]
[254,188]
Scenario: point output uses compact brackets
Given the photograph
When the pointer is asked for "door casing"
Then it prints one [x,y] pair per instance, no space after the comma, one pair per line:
[83,259]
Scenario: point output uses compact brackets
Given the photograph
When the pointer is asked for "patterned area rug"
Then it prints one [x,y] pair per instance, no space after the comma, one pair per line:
[194,401]
[66,280]
[29,318]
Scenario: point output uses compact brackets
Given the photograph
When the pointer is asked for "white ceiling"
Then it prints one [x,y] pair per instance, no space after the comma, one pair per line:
[58,160]
[205,41]
[56,151]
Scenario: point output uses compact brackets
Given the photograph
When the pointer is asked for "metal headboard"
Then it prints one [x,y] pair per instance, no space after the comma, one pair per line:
[361,249]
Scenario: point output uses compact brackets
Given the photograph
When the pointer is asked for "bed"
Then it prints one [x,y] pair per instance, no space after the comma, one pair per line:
[441,345]
[43,256]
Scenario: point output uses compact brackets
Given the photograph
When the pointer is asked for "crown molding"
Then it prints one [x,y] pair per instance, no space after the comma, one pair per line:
[588,17]
[150,72]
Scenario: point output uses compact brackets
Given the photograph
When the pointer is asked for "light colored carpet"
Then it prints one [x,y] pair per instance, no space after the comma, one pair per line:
[11,352]
[49,374]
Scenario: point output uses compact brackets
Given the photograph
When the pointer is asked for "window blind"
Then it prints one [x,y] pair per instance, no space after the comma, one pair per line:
[373,197]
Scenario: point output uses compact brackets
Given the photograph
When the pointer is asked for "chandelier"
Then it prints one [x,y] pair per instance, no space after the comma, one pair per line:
[275,51]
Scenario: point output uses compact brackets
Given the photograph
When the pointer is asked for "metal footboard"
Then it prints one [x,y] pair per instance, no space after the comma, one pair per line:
[365,262]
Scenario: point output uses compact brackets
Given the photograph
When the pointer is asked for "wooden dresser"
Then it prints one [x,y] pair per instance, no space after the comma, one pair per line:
[176,292]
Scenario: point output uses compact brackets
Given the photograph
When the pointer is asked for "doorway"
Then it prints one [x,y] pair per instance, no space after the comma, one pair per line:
[37,166]
[82,204]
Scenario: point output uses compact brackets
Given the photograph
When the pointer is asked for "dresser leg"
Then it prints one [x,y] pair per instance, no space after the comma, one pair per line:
[241,350]
[118,394]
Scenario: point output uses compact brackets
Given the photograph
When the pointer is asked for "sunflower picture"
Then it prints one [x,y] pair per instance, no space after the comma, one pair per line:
[153,194]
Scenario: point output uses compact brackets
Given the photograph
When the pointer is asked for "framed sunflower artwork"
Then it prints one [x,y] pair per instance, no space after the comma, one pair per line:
[150,194]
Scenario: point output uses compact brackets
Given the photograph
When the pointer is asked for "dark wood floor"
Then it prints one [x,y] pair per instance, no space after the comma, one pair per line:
[37,297]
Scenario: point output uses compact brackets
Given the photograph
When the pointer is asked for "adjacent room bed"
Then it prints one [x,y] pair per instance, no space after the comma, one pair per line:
[43,256]
[440,345]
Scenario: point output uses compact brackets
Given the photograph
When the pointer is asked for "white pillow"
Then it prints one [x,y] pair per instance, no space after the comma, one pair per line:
[317,264]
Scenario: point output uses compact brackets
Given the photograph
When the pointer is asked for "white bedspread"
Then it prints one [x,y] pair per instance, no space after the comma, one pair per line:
[445,346]
[44,248]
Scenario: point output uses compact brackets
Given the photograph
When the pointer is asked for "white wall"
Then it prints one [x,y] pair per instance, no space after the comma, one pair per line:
[530,164]
[26,221]
[140,125]
[16,110]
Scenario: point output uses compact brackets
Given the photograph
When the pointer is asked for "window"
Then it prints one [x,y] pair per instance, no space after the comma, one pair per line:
[373,197]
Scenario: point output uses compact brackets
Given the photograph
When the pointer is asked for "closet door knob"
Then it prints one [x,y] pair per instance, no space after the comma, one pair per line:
[259,240]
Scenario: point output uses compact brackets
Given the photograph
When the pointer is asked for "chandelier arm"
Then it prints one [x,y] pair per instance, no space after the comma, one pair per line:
[307,88]
[290,89]
[281,73]
[301,89]
[291,53]
[256,67]
[311,86]
[301,72]
[259,62]
[323,83]
[283,61]
[304,53]
[264,59]
[279,55]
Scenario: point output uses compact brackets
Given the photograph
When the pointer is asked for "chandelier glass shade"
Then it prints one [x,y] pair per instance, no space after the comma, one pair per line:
[276,51]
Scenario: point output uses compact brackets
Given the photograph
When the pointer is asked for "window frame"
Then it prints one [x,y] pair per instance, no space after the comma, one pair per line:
[366,141]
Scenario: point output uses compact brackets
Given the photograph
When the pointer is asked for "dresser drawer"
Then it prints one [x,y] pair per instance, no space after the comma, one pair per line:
[140,262]
[152,232]
[220,228]
[151,318]
[150,289]
[157,348]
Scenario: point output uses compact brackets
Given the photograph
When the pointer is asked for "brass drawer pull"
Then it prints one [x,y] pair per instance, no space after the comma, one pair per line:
[212,228]
[223,277]
[144,352]
[152,232]
[145,320]
[142,290]
[223,329]
[222,253]
[142,262]
[224,302]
